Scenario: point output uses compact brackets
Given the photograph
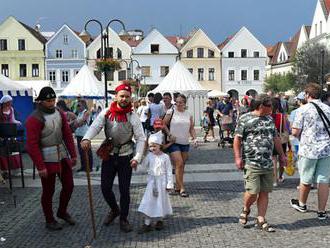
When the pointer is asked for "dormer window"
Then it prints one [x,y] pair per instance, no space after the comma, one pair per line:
[210,53]
[200,52]
[243,53]
[119,54]
[190,53]
[154,48]
[231,54]
[65,39]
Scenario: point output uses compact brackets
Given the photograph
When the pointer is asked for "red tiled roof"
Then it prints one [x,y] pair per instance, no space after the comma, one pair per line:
[327,5]
[132,42]
[225,42]
[174,40]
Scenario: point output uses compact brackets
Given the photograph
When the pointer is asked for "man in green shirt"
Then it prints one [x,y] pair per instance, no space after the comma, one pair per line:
[255,137]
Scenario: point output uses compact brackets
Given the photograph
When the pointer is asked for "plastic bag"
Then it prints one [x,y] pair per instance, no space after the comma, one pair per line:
[290,168]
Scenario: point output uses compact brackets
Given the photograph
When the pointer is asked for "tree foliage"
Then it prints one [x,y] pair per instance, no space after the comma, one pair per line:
[308,63]
[280,83]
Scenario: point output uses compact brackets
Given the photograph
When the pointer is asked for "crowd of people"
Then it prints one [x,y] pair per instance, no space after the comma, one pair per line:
[155,134]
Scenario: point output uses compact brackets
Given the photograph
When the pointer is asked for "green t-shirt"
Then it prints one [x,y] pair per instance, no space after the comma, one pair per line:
[257,133]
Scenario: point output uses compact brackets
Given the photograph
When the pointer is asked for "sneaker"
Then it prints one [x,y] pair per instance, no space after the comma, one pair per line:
[275,184]
[322,215]
[111,217]
[125,226]
[295,204]
[281,179]
[67,218]
[54,226]
[144,229]
[159,225]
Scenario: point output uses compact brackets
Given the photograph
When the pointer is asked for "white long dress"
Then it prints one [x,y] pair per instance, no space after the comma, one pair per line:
[159,178]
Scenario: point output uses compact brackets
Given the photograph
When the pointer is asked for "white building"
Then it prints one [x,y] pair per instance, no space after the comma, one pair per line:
[156,56]
[320,28]
[243,64]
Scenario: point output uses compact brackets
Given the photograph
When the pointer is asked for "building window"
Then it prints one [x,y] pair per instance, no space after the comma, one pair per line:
[5,70]
[154,48]
[256,75]
[164,71]
[190,53]
[210,53]
[320,27]
[35,70]
[65,39]
[243,75]
[243,53]
[256,54]
[98,75]
[122,75]
[231,75]
[3,45]
[231,54]
[191,70]
[21,44]
[52,76]
[59,54]
[110,75]
[145,70]
[74,54]
[211,74]
[76,72]
[315,29]
[200,74]
[65,76]
[119,54]
[109,52]
[22,70]
[200,52]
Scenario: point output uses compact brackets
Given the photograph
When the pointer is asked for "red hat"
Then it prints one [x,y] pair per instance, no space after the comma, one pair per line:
[123,87]
[158,123]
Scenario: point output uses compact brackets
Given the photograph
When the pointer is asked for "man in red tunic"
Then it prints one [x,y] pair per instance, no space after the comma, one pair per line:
[51,147]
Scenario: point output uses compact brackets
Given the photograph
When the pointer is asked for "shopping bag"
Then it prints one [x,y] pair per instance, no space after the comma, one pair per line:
[289,169]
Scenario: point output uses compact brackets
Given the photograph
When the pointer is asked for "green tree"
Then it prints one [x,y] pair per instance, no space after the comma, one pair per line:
[307,64]
[280,83]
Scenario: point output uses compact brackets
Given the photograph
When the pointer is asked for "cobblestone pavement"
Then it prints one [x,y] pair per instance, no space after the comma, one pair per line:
[208,218]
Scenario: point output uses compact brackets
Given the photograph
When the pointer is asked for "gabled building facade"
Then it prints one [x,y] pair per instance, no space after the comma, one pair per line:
[65,55]
[22,54]
[281,55]
[118,50]
[320,26]
[156,56]
[243,63]
[202,58]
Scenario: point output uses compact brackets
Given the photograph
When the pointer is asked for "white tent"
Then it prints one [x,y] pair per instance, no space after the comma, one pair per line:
[84,84]
[35,85]
[14,88]
[216,93]
[179,79]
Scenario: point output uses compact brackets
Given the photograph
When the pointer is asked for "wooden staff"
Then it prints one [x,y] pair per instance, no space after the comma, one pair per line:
[90,195]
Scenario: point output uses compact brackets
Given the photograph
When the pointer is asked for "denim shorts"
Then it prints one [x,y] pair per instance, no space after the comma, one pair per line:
[314,170]
[178,148]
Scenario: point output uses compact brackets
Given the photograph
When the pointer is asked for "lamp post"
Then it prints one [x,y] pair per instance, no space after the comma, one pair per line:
[322,68]
[131,63]
[104,51]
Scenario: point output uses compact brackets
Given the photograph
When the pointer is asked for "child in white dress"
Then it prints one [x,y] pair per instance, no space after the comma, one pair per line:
[155,202]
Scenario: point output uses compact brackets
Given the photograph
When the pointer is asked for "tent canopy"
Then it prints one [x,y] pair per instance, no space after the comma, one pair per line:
[216,93]
[85,85]
[14,88]
[35,85]
[179,79]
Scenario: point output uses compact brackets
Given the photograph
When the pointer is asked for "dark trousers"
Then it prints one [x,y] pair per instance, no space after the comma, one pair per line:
[110,168]
[48,189]
[83,161]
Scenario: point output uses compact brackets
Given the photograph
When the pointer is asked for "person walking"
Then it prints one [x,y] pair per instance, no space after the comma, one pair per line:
[314,150]
[210,112]
[155,202]
[181,126]
[142,112]
[49,142]
[120,125]
[255,136]
[81,126]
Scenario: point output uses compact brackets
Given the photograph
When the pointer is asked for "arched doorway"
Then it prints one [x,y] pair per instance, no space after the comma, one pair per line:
[252,92]
[233,94]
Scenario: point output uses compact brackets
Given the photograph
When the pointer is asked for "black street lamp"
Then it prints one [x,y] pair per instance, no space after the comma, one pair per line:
[105,51]
[131,63]
[322,68]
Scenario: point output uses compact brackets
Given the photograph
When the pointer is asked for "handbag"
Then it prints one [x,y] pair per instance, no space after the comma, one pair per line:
[227,119]
[289,169]
[284,135]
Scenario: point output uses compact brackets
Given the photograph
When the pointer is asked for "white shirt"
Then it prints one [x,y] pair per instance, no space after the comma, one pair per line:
[142,111]
[180,126]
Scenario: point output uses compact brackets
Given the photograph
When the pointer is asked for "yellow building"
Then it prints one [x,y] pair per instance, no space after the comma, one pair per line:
[22,55]
[202,58]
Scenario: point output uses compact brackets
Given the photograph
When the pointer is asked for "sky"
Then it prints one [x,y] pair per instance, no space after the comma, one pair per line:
[269,20]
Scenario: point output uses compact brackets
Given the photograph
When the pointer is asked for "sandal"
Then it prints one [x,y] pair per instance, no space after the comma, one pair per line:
[243,217]
[264,226]
[174,192]
[184,194]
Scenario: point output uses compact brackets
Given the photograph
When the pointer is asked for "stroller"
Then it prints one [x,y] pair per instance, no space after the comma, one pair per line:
[229,140]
